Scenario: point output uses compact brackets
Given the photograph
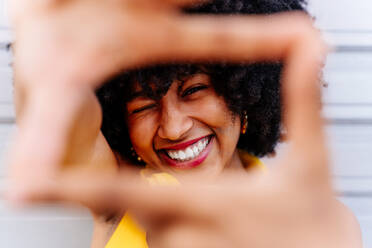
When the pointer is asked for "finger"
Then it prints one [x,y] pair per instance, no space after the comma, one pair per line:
[88,188]
[52,135]
[101,192]
[236,38]
[302,98]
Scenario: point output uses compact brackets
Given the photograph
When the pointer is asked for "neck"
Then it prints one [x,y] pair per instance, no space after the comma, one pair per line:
[236,163]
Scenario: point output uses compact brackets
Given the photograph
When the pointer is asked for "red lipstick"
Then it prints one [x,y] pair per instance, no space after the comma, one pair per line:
[190,163]
[183,145]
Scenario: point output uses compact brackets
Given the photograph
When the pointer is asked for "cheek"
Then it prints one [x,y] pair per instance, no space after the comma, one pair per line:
[141,132]
[214,112]
[216,115]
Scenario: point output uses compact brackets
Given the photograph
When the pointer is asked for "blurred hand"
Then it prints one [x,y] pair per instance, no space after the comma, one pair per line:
[85,42]
[64,49]
[89,41]
[75,45]
[291,205]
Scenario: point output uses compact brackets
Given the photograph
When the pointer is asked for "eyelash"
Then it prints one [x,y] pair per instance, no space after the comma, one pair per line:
[192,90]
[143,108]
[187,92]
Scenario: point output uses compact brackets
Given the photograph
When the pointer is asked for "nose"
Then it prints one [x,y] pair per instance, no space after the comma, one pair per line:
[174,122]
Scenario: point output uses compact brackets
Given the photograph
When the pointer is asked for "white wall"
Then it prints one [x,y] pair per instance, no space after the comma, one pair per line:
[348,107]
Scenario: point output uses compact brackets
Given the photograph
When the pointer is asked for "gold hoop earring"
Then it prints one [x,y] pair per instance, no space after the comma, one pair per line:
[245,123]
[135,155]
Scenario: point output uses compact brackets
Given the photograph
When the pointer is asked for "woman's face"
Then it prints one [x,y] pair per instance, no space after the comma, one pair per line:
[190,129]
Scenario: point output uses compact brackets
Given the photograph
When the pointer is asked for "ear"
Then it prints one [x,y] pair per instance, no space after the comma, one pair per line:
[244,122]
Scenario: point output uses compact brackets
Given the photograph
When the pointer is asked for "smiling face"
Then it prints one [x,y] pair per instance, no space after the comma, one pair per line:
[190,129]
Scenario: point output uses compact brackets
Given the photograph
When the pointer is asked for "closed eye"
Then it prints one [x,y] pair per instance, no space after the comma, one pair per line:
[192,90]
[138,110]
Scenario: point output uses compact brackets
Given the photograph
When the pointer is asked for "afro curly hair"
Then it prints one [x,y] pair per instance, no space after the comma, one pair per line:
[253,89]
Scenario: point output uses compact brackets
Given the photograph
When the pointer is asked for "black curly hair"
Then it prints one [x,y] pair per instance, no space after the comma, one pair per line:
[251,88]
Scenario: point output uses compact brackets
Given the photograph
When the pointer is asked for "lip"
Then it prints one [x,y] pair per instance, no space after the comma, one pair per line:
[183,145]
[190,163]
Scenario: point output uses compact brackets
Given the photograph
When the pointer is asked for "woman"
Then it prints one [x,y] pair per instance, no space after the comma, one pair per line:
[181,125]
[181,119]
[201,119]
[191,119]
[244,98]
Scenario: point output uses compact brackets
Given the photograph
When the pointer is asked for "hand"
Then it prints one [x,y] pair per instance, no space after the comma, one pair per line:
[85,42]
[291,205]
[239,211]
[64,49]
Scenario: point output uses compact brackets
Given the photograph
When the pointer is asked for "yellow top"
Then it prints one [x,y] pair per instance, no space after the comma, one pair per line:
[128,234]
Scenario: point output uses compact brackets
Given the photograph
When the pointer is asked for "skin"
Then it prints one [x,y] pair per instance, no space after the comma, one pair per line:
[181,116]
[201,214]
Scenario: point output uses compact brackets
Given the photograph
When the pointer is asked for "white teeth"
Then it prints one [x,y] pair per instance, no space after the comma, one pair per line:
[182,155]
[173,154]
[190,152]
[200,146]
[195,150]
